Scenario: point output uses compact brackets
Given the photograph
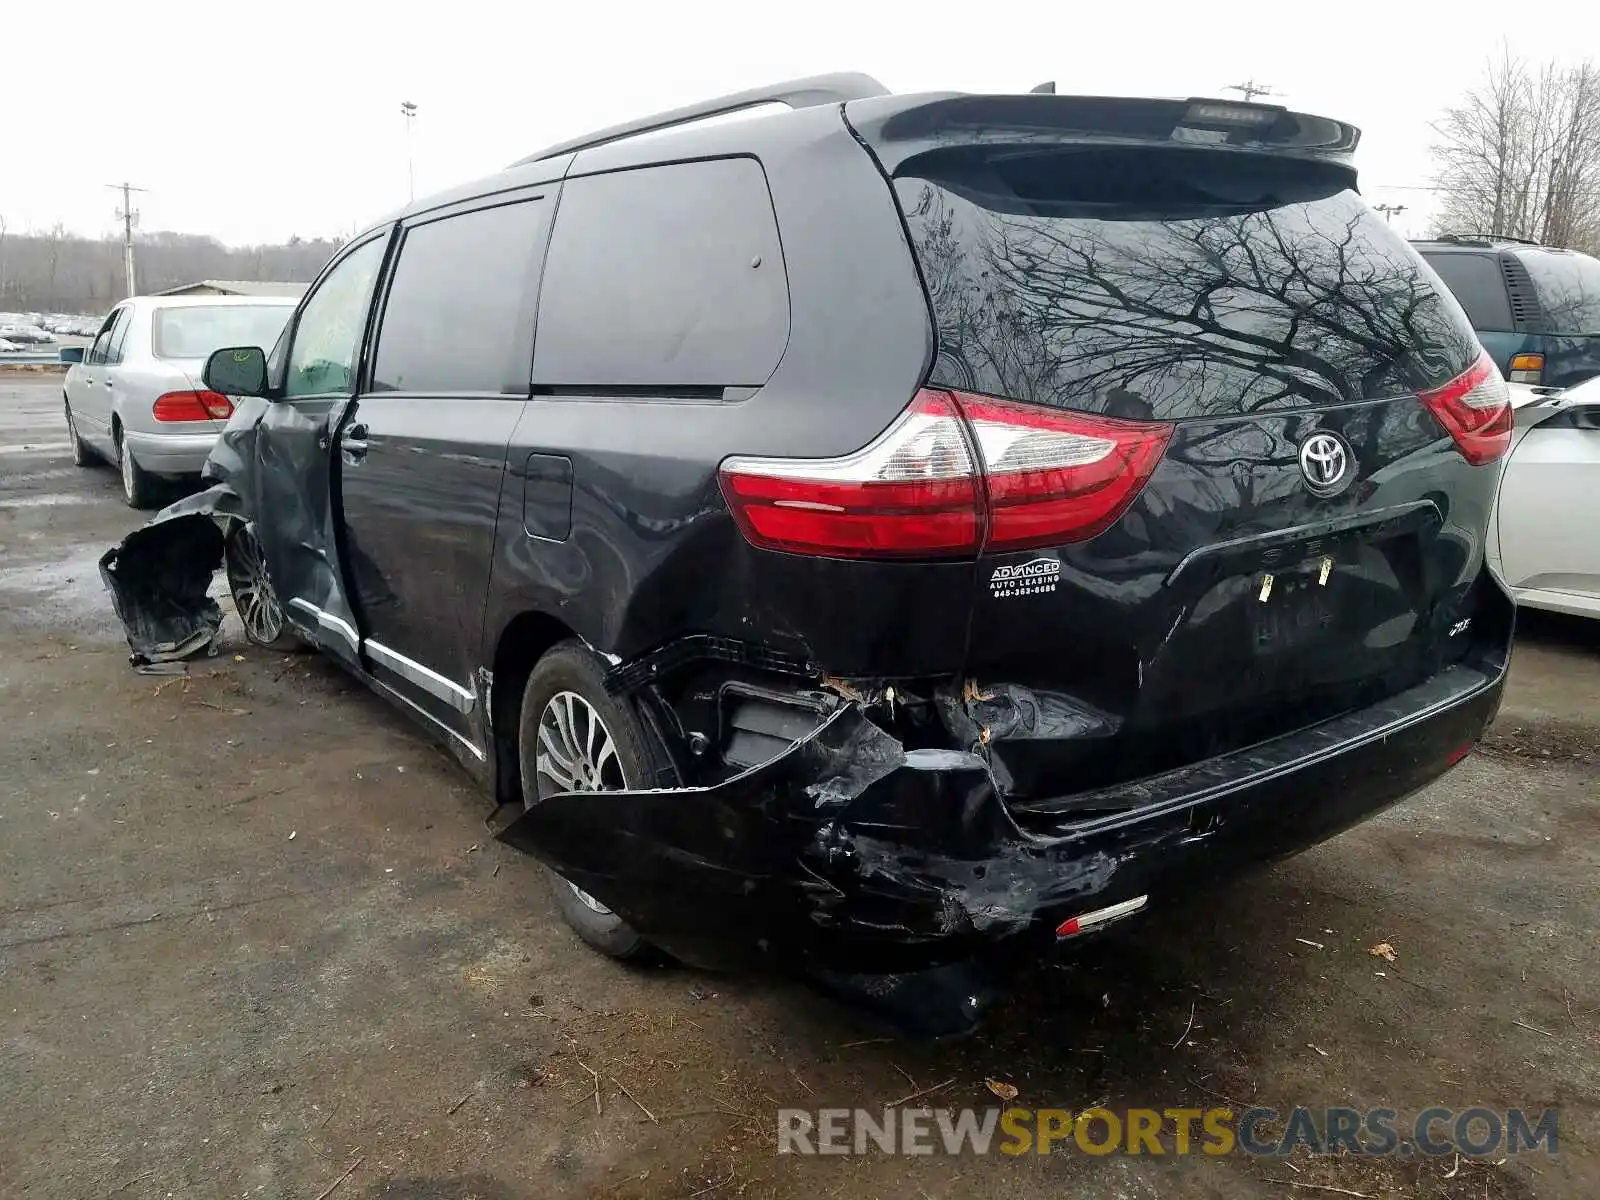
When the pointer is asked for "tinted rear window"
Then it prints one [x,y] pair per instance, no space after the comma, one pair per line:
[195,331]
[1569,290]
[664,276]
[1160,283]
[459,309]
[1476,281]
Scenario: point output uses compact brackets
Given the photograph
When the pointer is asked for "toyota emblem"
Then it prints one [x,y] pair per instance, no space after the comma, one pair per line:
[1326,463]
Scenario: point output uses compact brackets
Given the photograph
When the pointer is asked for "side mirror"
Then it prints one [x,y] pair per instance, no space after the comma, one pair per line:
[237,371]
[72,354]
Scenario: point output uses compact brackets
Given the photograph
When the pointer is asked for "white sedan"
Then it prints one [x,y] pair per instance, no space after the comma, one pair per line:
[1544,539]
[135,398]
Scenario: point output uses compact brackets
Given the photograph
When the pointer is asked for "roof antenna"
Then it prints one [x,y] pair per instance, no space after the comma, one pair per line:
[1044,89]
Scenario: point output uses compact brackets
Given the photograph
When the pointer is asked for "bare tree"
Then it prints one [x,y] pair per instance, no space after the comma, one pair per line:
[1520,155]
[61,272]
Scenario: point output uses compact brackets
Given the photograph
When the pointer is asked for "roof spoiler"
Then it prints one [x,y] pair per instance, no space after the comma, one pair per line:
[901,127]
[838,88]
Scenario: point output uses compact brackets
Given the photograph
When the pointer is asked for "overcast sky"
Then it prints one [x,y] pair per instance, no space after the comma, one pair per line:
[251,120]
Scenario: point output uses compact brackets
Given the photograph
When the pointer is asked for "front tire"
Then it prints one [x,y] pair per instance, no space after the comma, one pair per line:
[138,485]
[255,598]
[573,736]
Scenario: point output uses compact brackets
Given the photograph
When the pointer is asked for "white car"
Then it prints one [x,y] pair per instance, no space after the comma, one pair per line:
[1544,539]
[32,334]
[135,397]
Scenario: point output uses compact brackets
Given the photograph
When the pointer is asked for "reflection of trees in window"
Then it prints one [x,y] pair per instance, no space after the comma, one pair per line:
[1298,304]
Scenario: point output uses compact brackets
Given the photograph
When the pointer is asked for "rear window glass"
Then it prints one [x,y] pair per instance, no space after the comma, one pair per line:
[1170,284]
[195,331]
[667,276]
[1476,281]
[1569,290]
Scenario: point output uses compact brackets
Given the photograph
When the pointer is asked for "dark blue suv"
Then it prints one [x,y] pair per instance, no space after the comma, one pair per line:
[1535,308]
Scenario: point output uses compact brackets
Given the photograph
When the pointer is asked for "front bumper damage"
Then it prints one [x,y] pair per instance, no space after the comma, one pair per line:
[847,852]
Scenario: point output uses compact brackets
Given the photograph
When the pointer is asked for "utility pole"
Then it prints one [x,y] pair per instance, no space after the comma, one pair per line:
[1389,211]
[409,111]
[1251,89]
[129,219]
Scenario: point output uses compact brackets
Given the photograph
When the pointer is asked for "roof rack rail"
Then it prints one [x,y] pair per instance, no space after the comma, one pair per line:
[1486,237]
[796,93]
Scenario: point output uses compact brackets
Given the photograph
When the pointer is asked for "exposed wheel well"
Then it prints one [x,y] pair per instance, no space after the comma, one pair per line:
[522,644]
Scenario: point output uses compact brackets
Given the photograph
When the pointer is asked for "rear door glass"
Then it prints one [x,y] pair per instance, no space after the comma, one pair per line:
[1168,284]
[1476,281]
[460,304]
[1569,290]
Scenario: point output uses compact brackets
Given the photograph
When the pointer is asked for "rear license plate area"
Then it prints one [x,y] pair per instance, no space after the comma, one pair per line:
[1294,609]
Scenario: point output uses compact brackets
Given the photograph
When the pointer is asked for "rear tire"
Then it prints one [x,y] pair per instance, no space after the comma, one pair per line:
[566,700]
[138,485]
[82,454]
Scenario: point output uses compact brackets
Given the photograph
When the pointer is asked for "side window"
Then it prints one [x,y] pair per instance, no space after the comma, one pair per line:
[1478,286]
[666,276]
[102,341]
[119,336]
[459,303]
[327,337]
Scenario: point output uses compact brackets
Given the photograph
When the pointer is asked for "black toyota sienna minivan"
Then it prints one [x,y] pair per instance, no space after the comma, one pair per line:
[895,528]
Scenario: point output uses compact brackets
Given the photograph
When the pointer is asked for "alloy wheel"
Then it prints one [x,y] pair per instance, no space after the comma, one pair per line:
[125,462]
[576,754]
[253,593]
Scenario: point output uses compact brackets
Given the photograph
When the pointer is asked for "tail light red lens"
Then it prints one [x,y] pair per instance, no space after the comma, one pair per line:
[192,406]
[913,491]
[1056,476]
[1040,476]
[1475,408]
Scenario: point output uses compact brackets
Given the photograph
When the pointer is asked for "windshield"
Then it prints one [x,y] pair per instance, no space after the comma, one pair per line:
[1162,284]
[1569,290]
[195,331]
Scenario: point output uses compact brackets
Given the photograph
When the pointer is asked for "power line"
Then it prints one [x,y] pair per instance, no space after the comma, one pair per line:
[129,219]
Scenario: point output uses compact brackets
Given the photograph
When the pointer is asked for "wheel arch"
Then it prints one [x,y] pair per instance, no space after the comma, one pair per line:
[526,639]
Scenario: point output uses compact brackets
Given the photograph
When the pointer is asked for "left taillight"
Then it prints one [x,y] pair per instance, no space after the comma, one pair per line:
[1475,409]
[192,406]
[953,475]
[1055,476]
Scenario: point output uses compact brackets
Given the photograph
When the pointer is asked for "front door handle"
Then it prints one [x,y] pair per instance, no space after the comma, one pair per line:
[353,443]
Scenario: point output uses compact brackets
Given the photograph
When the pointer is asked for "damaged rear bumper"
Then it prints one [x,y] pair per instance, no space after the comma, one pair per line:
[848,853]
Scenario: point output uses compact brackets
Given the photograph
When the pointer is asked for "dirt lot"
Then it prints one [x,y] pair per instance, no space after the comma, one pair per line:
[254,934]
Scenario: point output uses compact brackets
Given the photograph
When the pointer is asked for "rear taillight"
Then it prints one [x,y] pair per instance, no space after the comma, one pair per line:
[192,406]
[1475,408]
[1055,476]
[911,492]
[1527,368]
[1040,476]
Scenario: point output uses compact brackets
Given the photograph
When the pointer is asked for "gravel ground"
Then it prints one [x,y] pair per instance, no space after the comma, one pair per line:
[255,937]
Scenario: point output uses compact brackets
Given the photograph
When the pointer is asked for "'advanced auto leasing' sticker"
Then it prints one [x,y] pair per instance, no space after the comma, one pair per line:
[1032,578]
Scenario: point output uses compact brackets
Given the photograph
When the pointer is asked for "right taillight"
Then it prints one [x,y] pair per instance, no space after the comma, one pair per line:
[1475,408]
[1040,476]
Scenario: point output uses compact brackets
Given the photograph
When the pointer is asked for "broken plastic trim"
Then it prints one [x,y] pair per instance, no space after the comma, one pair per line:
[700,647]
[847,852]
